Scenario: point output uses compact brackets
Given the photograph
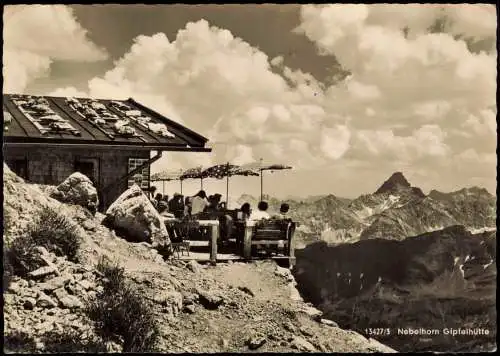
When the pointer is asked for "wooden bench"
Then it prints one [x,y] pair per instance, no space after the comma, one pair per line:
[271,234]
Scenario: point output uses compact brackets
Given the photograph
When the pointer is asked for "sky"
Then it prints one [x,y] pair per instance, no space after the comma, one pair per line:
[346,94]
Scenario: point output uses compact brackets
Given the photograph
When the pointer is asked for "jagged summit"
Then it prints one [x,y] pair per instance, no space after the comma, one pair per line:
[396,182]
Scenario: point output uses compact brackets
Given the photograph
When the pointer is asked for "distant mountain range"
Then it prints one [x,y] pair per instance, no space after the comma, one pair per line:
[394,211]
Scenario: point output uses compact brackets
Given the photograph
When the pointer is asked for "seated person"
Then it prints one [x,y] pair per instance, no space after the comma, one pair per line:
[245,212]
[284,208]
[156,199]
[241,218]
[214,201]
[199,202]
[151,192]
[261,213]
[187,206]
[162,207]
[227,222]
[176,206]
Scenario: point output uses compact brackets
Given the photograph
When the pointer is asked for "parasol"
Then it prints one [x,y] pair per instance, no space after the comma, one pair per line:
[193,173]
[261,167]
[166,176]
[227,170]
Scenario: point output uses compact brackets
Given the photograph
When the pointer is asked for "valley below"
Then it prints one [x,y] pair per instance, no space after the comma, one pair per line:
[410,294]
[415,271]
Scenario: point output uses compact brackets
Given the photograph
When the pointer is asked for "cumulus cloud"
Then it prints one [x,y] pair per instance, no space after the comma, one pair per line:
[362,91]
[477,21]
[335,141]
[369,41]
[427,141]
[478,167]
[413,96]
[277,61]
[221,86]
[69,92]
[242,155]
[35,36]
[484,124]
[428,84]
[20,67]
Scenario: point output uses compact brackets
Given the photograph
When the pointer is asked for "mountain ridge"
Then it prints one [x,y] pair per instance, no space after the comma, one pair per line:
[394,211]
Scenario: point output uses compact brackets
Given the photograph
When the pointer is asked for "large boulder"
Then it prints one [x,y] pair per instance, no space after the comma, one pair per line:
[134,216]
[77,189]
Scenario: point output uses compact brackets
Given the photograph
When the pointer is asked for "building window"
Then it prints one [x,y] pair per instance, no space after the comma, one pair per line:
[141,177]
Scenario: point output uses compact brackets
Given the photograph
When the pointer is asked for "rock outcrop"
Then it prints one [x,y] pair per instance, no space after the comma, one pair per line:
[49,303]
[21,202]
[134,216]
[77,189]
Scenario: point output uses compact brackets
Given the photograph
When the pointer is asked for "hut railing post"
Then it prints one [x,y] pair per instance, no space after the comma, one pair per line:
[227,187]
[214,236]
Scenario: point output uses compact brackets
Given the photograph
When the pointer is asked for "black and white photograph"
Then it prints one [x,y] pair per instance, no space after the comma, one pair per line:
[249,178]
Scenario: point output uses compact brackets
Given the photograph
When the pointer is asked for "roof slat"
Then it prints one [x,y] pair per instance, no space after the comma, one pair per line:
[192,138]
[87,132]
[149,136]
[22,130]
[26,125]
[175,140]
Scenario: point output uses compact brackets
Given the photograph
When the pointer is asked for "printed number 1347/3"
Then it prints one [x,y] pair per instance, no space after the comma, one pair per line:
[378,331]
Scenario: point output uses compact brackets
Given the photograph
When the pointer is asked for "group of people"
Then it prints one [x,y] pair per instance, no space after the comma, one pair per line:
[261,213]
[186,207]
[175,206]
[180,206]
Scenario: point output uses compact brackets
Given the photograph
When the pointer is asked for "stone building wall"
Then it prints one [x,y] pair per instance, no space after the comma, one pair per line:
[46,165]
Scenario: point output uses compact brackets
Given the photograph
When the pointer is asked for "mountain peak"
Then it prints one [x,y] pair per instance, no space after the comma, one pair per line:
[396,181]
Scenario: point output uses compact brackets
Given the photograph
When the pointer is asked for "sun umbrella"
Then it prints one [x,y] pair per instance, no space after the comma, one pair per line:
[227,170]
[193,173]
[166,176]
[261,167]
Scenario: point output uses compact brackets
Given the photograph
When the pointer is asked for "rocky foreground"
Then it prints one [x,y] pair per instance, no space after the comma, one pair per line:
[199,309]
[225,308]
